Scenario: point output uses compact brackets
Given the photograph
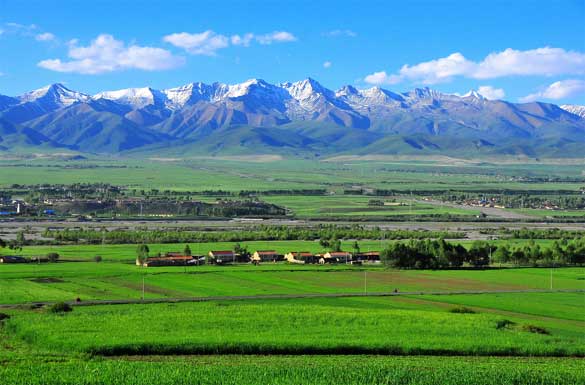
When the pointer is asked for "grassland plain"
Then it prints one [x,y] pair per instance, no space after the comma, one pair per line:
[212,174]
[315,326]
[123,344]
[127,252]
[89,280]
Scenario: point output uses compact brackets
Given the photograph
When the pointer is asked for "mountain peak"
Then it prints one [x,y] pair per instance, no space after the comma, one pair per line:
[56,93]
[574,109]
[474,94]
[134,97]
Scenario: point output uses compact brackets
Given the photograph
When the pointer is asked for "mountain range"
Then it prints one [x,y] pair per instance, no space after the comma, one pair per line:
[302,118]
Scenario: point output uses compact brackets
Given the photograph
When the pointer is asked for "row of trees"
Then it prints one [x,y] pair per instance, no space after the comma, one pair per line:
[524,233]
[267,233]
[439,254]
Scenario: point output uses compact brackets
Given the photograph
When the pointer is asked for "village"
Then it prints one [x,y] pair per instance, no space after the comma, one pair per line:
[227,257]
[224,257]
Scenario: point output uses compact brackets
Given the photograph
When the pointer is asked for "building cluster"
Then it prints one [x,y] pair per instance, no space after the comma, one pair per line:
[223,257]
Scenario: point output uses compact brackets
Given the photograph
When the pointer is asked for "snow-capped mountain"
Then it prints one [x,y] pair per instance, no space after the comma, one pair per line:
[574,109]
[299,117]
[134,97]
[54,94]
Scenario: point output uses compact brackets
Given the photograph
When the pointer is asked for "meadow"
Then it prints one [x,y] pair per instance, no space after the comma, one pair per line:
[89,280]
[494,338]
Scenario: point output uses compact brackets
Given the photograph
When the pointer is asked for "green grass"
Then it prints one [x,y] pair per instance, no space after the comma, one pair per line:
[88,280]
[555,305]
[295,370]
[350,205]
[234,175]
[127,252]
[324,326]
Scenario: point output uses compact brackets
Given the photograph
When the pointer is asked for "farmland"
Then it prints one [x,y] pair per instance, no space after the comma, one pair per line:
[298,323]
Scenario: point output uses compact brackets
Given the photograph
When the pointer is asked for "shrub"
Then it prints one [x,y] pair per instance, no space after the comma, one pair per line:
[462,310]
[504,324]
[3,316]
[97,258]
[535,329]
[60,307]
[53,257]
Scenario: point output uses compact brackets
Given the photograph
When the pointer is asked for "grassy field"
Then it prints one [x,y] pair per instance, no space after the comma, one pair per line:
[316,326]
[350,205]
[233,175]
[499,338]
[372,340]
[294,370]
[66,281]
[127,252]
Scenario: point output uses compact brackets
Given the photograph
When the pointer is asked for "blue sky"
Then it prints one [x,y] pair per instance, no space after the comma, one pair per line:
[518,51]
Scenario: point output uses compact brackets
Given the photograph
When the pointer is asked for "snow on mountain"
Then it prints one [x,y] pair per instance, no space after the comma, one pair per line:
[574,109]
[56,94]
[474,94]
[134,97]
[312,113]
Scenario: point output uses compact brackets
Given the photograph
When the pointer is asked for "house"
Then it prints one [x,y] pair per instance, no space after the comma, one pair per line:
[222,256]
[170,259]
[12,259]
[337,256]
[266,256]
[368,256]
[300,257]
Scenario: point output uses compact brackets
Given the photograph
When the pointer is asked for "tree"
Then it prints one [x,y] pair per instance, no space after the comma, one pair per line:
[479,254]
[242,252]
[356,247]
[53,257]
[187,251]
[2,243]
[142,252]
[20,238]
[324,243]
[335,245]
[502,254]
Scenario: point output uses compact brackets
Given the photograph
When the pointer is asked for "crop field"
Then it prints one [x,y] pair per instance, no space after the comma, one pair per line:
[212,174]
[89,280]
[127,252]
[393,340]
[344,206]
[521,325]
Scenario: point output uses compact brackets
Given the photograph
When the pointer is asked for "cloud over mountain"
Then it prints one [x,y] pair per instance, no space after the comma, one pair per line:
[545,61]
[558,90]
[106,54]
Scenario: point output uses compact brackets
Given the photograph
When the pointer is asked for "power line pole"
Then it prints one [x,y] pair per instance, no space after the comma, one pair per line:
[365,282]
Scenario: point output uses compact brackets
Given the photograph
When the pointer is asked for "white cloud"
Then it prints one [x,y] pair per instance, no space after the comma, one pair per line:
[209,42]
[558,90]
[106,54]
[381,78]
[244,40]
[204,43]
[327,64]
[47,36]
[491,93]
[544,61]
[276,37]
[340,32]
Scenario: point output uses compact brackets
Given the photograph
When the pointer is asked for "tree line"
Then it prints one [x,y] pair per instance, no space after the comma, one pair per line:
[258,233]
[440,254]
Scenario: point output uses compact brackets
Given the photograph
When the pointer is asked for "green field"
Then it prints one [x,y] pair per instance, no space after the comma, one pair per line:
[178,343]
[88,280]
[349,205]
[494,337]
[242,174]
